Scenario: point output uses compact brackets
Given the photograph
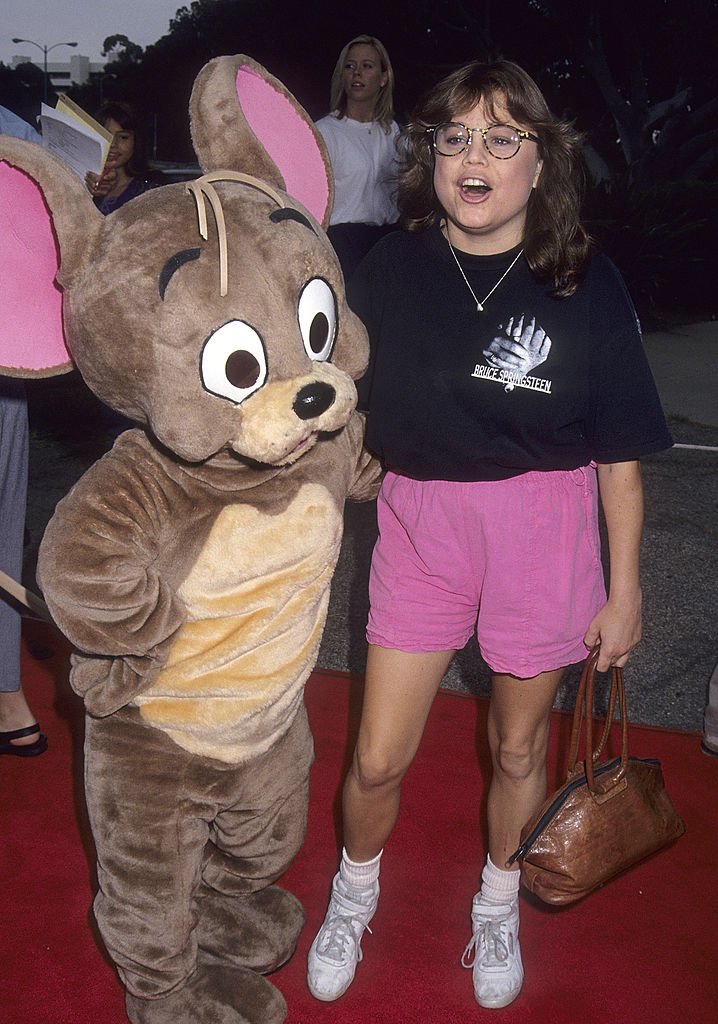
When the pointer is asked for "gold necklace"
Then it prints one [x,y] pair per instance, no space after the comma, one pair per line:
[480,305]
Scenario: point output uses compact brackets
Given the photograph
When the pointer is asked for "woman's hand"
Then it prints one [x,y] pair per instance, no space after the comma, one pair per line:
[99,185]
[618,624]
[617,628]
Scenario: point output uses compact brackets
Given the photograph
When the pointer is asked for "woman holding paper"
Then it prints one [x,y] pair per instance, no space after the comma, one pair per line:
[126,174]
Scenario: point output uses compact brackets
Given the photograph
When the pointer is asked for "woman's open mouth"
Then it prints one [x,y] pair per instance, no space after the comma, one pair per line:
[474,187]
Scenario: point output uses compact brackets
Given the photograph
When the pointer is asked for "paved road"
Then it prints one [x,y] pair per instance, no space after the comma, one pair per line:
[668,674]
[685,365]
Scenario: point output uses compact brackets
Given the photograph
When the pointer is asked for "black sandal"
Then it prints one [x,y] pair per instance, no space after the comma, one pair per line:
[23,750]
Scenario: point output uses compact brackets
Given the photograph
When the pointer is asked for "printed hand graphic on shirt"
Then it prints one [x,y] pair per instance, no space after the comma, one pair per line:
[521,347]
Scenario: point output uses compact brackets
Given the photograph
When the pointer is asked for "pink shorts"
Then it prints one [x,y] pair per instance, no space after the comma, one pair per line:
[518,559]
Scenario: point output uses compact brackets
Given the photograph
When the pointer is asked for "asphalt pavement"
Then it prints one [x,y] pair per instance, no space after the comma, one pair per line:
[667,676]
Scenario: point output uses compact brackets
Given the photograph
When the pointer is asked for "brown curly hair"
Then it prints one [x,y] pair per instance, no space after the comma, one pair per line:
[556,244]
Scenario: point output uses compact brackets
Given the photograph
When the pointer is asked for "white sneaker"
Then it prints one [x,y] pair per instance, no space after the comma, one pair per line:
[336,951]
[498,972]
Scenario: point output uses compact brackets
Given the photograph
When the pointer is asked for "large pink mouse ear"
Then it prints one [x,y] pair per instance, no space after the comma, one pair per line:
[32,342]
[288,138]
[244,119]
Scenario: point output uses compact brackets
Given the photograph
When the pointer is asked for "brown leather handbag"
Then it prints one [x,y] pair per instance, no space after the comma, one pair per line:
[605,817]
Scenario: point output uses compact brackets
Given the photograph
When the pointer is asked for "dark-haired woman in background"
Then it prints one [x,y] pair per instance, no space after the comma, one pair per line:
[126,173]
[508,388]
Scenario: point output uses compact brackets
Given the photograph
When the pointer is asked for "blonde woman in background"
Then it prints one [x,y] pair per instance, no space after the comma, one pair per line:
[361,134]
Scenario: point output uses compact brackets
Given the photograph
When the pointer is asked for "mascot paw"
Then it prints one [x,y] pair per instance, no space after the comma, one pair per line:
[221,994]
[257,930]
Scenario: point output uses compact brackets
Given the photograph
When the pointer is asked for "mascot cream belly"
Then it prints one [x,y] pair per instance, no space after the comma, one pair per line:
[190,567]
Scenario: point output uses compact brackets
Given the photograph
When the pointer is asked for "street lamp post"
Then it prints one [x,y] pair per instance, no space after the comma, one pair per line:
[45,50]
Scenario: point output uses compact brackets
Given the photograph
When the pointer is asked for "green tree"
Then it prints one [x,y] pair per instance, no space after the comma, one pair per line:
[119,50]
[21,90]
[652,69]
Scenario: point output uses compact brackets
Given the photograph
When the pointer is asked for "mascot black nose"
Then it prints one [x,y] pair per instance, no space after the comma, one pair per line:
[313,400]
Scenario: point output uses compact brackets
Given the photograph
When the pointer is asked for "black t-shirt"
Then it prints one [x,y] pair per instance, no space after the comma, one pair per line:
[532,383]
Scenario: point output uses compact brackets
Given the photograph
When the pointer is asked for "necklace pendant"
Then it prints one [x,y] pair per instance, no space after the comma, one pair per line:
[480,305]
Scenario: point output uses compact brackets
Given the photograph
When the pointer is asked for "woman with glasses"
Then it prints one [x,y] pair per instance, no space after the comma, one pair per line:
[360,134]
[508,388]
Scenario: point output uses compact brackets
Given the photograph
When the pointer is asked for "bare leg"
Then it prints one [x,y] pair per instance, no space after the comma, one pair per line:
[519,715]
[399,691]
[518,738]
[15,713]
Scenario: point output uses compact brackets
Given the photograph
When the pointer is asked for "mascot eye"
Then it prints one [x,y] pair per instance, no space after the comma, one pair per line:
[234,363]
[317,319]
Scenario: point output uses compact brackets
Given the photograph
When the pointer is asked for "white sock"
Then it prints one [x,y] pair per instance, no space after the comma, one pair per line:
[499,886]
[360,875]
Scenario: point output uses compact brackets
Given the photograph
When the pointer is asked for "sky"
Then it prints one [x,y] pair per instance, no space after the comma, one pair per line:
[88,22]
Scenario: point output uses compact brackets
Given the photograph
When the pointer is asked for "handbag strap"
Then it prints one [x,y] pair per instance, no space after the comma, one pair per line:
[589,669]
[585,699]
[577,722]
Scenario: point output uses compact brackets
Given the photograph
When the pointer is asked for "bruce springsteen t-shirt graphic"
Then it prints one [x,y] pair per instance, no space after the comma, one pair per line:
[518,347]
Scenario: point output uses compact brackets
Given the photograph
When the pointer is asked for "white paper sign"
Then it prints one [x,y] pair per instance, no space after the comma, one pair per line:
[76,144]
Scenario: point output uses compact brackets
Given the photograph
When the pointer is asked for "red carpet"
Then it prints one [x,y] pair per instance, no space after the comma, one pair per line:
[641,951]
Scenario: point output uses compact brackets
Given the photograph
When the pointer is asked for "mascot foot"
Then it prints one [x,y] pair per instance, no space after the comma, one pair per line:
[258,930]
[221,994]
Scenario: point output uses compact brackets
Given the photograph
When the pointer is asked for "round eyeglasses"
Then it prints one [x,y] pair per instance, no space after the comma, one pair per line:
[501,140]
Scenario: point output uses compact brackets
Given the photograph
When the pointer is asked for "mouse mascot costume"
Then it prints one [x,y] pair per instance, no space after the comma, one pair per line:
[190,567]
